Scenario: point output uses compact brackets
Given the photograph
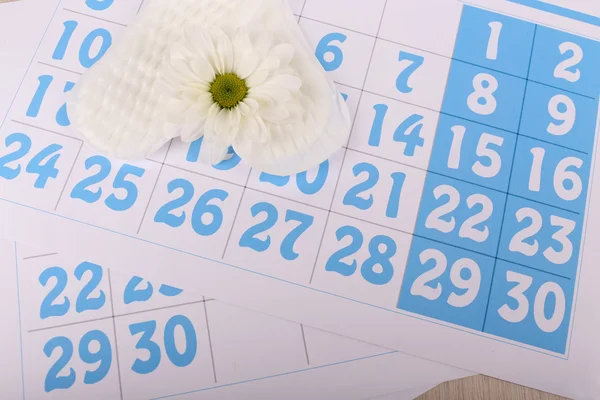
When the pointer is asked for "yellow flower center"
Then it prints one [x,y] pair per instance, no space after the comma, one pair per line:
[228,90]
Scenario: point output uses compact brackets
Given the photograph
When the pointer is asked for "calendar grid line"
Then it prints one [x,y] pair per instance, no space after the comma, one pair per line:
[118,316]
[162,166]
[68,176]
[510,175]
[40,256]
[236,214]
[16,255]
[141,5]
[305,346]
[95,17]
[114,325]
[212,355]
[59,68]
[345,148]
[46,130]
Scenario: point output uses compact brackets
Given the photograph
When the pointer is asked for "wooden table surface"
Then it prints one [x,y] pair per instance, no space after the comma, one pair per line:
[481,387]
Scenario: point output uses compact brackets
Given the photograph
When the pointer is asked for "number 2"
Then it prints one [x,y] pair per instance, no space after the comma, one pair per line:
[565,70]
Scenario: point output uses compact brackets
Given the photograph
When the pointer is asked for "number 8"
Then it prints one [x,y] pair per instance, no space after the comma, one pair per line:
[483,92]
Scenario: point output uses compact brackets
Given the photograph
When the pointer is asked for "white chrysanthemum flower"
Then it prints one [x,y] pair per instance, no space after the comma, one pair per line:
[238,72]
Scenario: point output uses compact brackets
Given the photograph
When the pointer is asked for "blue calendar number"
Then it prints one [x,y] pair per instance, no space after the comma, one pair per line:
[329,55]
[356,198]
[550,174]
[42,164]
[566,61]
[410,63]
[530,306]
[494,41]
[559,117]
[473,152]
[193,155]
[203,207]
[460,214]
[484,96]
[99,5]
[377,269]
[408,132]
[249,238]
[121,182]
[133,293]
[302,181]
[541,236]
[153,359]
[86,59]
[446,283]
[85,301]
[55,380]
[44,82]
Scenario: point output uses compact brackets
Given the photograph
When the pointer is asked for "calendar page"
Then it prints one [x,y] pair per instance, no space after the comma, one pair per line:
[77,329]
[452,225]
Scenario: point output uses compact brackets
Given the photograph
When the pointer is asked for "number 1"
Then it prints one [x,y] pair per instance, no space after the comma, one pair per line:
[492,48]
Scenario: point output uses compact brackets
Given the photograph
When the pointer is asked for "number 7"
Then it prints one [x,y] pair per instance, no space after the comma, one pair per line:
[415,62]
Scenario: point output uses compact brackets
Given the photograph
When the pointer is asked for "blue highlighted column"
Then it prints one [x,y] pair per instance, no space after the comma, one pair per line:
[451,262]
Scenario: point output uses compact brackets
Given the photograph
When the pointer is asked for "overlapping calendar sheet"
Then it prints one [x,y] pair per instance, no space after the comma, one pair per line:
[451,226]
[77,329]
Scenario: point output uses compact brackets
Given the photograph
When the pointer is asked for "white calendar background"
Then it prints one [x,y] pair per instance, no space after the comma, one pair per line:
[76,329]
[458,210]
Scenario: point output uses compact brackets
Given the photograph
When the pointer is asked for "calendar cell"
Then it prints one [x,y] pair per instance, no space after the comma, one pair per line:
[344,54]
[403,23]
[461,214]
[33,161]
[394,130]
[100,191]
[164,349]
[408,74]
[541,237]
[133,294]
[249,345]
[550,174]
[187,156]
[41,100]
[117,11]
[190,212]
[472,152]
[315,187]
[446,283]
[559,117]
[530,307]
[59,292]
[361,261]
[275,236]
[379,191]
[363,17]
[566,61]
[75,361]
[494,41]
[485,96]
[76,42]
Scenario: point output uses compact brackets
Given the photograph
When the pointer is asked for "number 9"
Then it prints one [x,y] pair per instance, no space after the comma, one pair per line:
[567,116]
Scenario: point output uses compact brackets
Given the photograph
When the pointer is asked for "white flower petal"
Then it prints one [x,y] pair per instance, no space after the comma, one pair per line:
[223,51]
[192,131]
[245,58]
[213,152]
